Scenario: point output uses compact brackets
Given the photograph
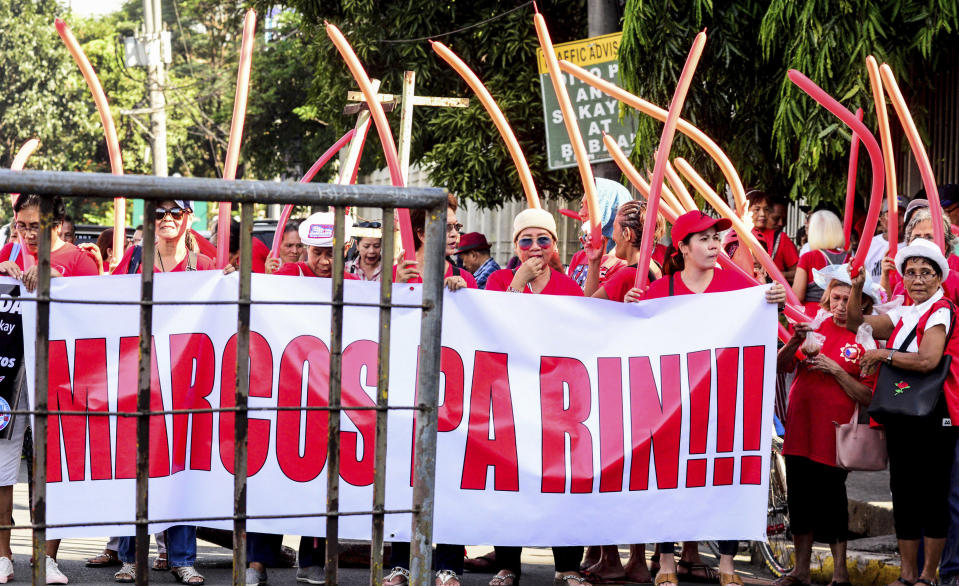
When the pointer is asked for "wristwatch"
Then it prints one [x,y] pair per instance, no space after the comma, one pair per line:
[889,357]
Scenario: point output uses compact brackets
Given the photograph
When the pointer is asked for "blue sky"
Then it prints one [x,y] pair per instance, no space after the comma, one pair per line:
[92,7]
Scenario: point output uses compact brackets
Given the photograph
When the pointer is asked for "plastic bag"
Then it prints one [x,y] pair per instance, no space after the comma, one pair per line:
[864,337]
[813,344]
[821,316]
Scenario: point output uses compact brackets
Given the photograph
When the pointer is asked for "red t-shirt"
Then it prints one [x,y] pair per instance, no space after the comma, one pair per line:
[816,399]
[301,269]
[722,281]
[203,263]
[618,285]
[786,255]
[558,284]
[467,276]
[68,260]
[610,265]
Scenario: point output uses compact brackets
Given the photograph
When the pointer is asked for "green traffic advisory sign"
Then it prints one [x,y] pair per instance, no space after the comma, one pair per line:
[595,112]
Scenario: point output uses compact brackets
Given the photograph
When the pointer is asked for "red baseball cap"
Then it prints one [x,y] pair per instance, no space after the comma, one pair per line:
[473,241]
[694,222]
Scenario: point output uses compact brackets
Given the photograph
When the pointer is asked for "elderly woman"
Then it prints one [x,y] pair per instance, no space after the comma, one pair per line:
[826,240]
[920,448]
[368,263]
[826,389]
[534,240]
[920,226]
[175,246]
[291,249]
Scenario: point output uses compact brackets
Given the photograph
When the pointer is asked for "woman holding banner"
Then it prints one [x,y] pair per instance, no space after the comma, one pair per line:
[408,270]
[18,259]
[827,389]
[691,269]
[627,234]
[534,240]
[175,245]
[920,446]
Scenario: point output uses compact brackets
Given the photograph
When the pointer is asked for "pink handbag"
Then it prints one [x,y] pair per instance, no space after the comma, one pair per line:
[860,447]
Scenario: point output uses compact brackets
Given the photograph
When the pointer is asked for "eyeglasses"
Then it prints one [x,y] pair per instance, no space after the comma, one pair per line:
[22,227]
[175,212]
[527,243]
[453,228]
[923,276]
[369,225]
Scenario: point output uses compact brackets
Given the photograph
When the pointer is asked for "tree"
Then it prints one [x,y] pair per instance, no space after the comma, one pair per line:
[460,147]
[777,137]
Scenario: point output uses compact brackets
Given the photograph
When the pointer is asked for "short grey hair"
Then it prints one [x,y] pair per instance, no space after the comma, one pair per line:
[925,215]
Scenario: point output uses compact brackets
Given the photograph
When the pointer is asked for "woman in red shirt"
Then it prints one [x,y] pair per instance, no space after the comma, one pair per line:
[534,240]
[691,268]
[627,235]
[175,249]
[454,278]
[826,240]
[609,196]
[316,235]
[826,389]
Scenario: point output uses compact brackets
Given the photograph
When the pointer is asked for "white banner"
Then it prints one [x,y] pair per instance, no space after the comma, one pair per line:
[560,417]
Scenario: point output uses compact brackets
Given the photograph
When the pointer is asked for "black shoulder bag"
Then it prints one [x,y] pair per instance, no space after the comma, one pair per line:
[908,393]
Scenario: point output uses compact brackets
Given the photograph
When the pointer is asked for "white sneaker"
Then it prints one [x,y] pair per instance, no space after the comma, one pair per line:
[6,570]
[54,575]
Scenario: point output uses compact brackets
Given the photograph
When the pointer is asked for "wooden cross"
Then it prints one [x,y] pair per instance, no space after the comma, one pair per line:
[406,101]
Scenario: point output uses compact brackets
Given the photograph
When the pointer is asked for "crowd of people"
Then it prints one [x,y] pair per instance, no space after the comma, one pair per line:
[907,299]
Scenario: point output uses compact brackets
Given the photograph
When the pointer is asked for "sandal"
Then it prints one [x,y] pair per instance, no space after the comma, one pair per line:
[127,574]
[187,575]
[926,582]
[570,579]
[508,579]
[709,574]
[104,559]
[903,581]
[666,578]
[446,577]
[161,564]
[725,579]
[397,577]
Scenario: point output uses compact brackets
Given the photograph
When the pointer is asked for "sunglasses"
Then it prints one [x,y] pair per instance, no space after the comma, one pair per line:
[369,225]
[176,213]
[527,243]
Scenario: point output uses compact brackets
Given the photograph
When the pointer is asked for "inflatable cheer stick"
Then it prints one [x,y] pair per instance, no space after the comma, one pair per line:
[745,233]
[20,160]
[643,188]
[519,159]
[614,91]
[888,157]
[109,129]
[382,128]
[687,201]
[662,154]
[236,134]
[572,128]
[918,151]
[851,185]
[288,209]
[875,156]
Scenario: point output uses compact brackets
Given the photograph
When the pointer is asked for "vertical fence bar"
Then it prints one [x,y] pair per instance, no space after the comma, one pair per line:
[42,375]
[242,390]
[336,366]
[143,393]
[427,395]
[382,398]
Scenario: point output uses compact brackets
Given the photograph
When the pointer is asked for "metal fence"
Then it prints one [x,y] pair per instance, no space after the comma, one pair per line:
[246,193]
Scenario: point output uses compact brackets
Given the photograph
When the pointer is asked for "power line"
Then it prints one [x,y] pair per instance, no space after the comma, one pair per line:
[459,30]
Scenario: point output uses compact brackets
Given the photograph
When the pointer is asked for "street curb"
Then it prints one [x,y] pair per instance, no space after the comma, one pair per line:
[865,568]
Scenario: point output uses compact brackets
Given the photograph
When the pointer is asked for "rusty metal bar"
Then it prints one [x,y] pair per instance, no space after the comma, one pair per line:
[242,394]
[199,189]
[382,398]
[143,394]
[427,396]
[335,394]
[42,379]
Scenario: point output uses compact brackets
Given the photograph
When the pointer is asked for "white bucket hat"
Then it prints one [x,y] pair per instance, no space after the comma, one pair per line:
[822,278]
[925,249]
[317,230]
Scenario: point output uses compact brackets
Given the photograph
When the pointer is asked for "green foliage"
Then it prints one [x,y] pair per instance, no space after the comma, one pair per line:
[460,147]
[778,137]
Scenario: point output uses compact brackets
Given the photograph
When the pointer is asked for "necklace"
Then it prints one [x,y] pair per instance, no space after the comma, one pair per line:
[160,258]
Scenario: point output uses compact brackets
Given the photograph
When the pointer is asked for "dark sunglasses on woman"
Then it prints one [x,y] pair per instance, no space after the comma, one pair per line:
[527,243]
[176,213]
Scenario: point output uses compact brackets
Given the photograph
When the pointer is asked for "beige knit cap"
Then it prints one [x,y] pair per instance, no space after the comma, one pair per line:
[534,218]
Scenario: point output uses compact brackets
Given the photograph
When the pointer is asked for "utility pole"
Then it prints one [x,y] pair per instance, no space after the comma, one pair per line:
[602,19]
[153,25]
